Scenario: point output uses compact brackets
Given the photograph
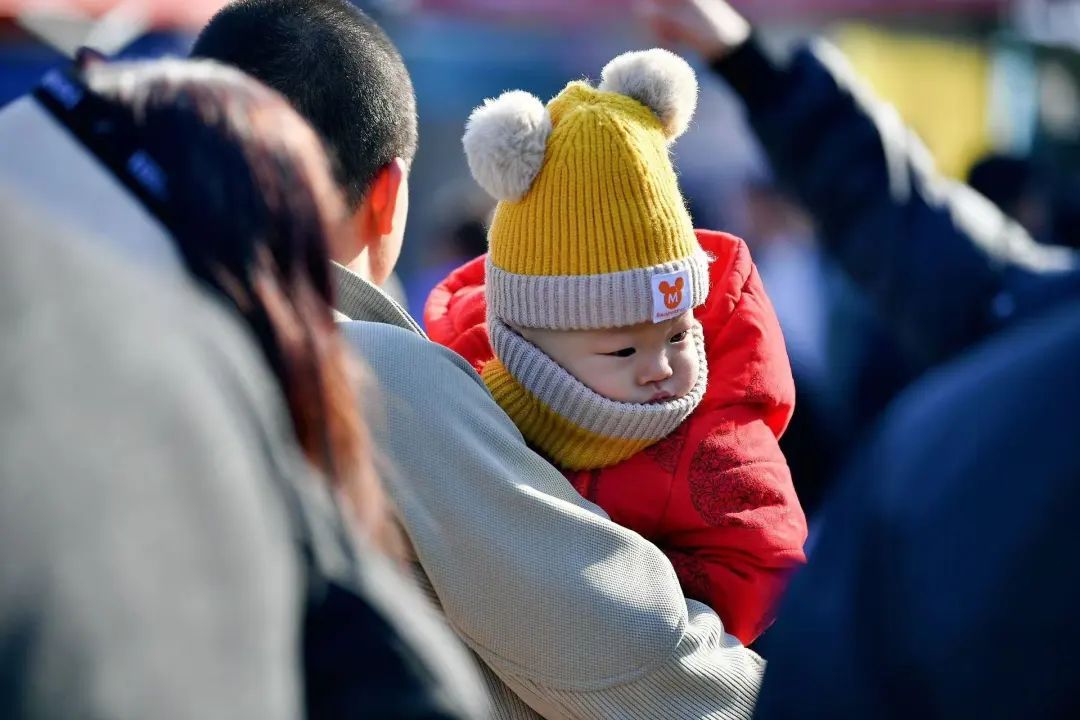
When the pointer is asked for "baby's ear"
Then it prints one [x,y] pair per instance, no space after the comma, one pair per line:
[505,140]
[658,79]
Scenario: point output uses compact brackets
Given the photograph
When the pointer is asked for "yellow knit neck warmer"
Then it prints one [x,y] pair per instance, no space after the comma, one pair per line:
[556,438]
[571,425]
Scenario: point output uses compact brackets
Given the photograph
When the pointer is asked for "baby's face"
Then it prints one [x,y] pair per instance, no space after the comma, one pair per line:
[636,364]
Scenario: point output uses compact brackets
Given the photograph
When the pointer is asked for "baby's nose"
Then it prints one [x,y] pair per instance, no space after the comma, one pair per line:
[655,369]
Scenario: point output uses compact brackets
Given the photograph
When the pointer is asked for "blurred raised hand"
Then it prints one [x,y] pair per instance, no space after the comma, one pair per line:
[711,27]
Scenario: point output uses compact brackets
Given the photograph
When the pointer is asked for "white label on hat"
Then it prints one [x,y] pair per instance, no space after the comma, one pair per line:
[671,295]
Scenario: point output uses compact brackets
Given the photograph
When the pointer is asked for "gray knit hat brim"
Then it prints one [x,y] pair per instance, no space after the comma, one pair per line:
[595,302]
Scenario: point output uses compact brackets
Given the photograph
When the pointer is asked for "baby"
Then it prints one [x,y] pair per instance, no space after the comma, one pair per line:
[640,356]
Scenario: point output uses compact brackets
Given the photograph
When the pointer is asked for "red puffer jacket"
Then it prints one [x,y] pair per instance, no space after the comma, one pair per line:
[715,495]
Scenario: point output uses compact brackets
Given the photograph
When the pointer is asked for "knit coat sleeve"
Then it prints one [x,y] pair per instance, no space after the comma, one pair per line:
[579,617]
[733,527]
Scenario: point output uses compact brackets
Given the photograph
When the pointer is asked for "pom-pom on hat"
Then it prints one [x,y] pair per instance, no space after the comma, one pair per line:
[590,230]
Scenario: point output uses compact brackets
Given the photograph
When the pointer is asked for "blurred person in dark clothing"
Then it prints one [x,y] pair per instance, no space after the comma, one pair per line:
[224,180]
[943,583]
[1065,208]
[1012,184]
[944,267]
[934,266]
[1042,198]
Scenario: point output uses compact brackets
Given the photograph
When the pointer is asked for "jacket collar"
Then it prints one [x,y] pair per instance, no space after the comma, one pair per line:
[46,167]
[358,299]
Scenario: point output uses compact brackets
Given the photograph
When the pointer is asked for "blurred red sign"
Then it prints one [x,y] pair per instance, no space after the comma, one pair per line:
[155,13]
[195,13]
[577,9]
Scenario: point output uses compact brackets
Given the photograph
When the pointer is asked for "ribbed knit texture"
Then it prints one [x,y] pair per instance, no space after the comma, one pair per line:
[573,426]
[565,444]
[570,613]
[605,202]
[581,618]
[582,302]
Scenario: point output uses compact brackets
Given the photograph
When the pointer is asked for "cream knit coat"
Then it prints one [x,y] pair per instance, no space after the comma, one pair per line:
[571,615]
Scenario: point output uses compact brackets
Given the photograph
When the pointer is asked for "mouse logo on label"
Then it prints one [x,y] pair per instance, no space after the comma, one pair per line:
[672,293]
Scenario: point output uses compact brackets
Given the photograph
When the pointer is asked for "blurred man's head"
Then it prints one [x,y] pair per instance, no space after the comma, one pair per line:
[342,73]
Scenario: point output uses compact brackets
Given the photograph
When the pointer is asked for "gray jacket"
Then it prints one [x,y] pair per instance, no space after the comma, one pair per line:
[146,568]
[164,550]
[571,615]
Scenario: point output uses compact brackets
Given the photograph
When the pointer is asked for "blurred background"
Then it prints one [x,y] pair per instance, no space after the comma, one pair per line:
[991,86]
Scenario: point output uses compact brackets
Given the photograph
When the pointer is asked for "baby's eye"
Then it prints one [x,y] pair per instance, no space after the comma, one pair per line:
[625,352]
[678,337]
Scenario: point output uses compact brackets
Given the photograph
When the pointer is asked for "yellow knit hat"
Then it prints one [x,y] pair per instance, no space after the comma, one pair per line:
[591,230]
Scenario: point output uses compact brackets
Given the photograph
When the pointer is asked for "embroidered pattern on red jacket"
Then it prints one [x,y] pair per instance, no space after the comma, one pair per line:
[666,453]
[720,490]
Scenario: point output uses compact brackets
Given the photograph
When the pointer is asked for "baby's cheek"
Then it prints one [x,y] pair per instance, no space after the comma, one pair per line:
[689,363]
[600,377]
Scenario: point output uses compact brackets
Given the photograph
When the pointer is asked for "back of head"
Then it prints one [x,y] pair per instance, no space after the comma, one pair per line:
[244,173]
[336,66]
[254,211]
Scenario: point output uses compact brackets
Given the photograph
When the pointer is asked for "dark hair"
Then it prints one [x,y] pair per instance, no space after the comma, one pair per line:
[254,211]
[336,66]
